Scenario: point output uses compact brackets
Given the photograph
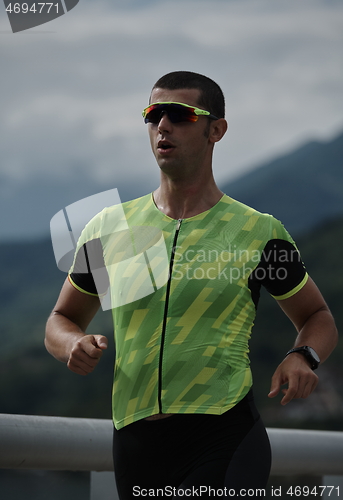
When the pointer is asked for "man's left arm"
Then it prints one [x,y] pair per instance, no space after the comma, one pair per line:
[316,328]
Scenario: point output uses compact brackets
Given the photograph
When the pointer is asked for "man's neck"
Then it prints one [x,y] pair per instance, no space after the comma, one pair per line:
[181,200]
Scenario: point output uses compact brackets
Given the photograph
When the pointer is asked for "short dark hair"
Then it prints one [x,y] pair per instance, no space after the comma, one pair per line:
[211,95]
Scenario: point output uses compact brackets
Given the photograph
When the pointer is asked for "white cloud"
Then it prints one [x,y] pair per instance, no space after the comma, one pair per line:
[75,95]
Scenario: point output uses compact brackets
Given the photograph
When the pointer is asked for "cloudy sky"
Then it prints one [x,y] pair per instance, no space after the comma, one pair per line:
[72,90]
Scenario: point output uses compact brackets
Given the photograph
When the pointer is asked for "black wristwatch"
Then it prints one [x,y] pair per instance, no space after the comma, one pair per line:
[309,353]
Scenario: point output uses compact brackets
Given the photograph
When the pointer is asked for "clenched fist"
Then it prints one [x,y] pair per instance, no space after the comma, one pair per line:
[86,353]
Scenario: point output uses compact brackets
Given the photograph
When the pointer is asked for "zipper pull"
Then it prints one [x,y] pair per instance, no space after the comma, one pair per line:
[178,224]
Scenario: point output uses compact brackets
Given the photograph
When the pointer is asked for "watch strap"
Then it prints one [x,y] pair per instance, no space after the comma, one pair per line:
[305,350]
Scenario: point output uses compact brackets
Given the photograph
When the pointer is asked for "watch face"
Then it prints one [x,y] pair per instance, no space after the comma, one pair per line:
[314,354]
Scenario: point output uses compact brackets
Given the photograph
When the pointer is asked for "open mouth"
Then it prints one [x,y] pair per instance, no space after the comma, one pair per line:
[164,145]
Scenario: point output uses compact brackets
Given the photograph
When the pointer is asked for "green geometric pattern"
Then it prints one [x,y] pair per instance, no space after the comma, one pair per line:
[204,367]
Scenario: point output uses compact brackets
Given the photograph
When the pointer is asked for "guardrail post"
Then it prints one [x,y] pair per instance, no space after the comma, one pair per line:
[103,486]
[337,483]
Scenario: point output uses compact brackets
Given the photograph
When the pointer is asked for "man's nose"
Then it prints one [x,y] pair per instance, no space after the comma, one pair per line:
[164,123]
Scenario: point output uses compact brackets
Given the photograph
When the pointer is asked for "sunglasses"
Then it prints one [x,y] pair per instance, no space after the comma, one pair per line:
[177,112]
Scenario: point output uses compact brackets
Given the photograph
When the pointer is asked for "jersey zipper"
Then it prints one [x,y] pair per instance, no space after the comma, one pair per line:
[164,324]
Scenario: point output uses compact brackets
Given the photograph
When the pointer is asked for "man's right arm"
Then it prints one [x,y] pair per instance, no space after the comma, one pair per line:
[65,336]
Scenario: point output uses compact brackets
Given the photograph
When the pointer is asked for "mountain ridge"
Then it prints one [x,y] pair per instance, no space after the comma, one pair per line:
[301,188]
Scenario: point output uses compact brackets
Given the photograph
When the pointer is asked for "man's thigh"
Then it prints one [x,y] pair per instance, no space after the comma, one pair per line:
[245,474]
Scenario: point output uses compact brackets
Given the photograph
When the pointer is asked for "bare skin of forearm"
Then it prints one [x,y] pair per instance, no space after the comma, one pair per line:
[312,319]
[320,333]
[316,328]
[61,335]
[66,337]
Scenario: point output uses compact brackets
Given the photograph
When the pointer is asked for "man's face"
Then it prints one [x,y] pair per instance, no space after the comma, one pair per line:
[181,147]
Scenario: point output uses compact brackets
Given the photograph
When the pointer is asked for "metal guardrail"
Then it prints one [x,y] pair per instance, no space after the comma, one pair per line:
[57,443]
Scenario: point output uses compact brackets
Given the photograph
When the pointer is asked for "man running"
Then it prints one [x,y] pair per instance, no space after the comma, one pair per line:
[183,408]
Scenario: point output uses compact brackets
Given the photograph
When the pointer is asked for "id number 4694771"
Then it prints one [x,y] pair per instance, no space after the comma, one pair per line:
[24,8]
[313,491]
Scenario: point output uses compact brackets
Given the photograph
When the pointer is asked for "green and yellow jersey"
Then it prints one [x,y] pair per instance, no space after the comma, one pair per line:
[183,295]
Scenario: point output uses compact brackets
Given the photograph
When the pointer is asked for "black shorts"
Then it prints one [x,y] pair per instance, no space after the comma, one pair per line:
[193,451]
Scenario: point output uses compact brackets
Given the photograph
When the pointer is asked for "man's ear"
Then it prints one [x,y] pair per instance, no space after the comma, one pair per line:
[218,129]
